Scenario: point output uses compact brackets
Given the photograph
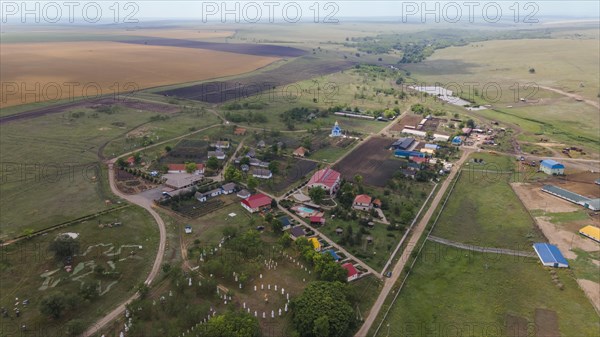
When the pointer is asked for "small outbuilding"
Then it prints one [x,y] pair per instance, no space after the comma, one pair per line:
[550,255]
[591,232]
[352,272]
[552,167]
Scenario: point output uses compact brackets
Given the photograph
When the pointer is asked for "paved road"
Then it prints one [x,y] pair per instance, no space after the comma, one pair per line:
[480,249]
[146,204]
[412,243]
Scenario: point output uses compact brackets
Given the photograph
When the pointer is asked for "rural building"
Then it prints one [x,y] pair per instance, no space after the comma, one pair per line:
[300,152]
[256,202]
[228,188]
[333,254]
[201,197]
[418,160]
[362,202]
[353,115]
[130,161]
[339,231]
[188,229]
[285,222]
[251,153]
[245,168]
[352,272]
[180,168]
[427,151]
[456,141]
[261,173]
[315,243]
[414,132]
[432,146]
[217,154]
[182,181]
[243,194]
[326,178]
[239,131]
[552,167]
[403,143]
[592,204]
[408,154]
[550,255]
[261,143]
[466,131]
[336,131]
[591,232]
[297,232]
[317,220]
[597,181]
[221,144]
[440,138]
[258,163]
[178,192]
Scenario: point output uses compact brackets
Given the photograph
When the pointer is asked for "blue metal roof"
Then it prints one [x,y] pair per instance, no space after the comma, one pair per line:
[550,254]
[552,163]
[333,254]
[285,221]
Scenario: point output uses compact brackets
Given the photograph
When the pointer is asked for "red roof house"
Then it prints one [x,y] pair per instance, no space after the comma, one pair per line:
[418,160]
[180,168]
[352,272]
[362,202]
[326,178]
[319,220]
[256,202]
[300,152]
[130,161]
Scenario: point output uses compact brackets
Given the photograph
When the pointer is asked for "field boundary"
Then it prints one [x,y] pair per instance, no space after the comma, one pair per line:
[63,224]
[418,253]
[478,248]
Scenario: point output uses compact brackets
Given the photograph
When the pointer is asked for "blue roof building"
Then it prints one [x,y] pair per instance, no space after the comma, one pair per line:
[333,254]
[431,146]
[336,131]
[552,167]
[403,143]
[550,256]
[408,154]
[456,140]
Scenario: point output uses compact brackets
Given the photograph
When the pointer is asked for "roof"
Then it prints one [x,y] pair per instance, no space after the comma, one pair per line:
[456,140]
[593,204]
[315,242]
[419,160]
[403,143]
[550,254]
[262,172]
[327,177]
[333,254]
[300,151]
[297,231]
[130,160]
[561,192]
[431,146]
[228,186]
[316,219]
[185,180]
[552,163]
[257,200]
[239,131]
[591,232]
[350,268]
[243,194]
[285,221]
[377,202]
[362,199]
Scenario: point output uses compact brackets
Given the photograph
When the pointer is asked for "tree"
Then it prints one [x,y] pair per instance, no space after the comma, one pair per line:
[252,182]
[232,324]
[323,310]
[245,161]
[273,203]
[212,163]
[121,163]
[232,174]
[53,305]
[190,167]
[137,157]
[274,167]
[358,179]
[168,148]
[532,70]
[74,327]
[64,246]
[316,194]
[471,123]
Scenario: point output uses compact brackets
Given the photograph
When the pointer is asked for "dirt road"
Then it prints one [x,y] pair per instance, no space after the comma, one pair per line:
[147,205]
[575,96]
[412,243]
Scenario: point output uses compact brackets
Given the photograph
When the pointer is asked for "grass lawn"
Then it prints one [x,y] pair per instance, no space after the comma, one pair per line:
[452,289]
[492,162]
[29,270]
[478,213]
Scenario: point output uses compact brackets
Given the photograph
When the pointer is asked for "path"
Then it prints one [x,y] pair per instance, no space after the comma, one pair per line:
[480,249]
[575,96]
[147,205]
[412,243]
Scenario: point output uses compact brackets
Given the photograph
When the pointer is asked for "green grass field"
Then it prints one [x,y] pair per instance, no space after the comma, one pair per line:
[474,293]
[24,264]
[476,213]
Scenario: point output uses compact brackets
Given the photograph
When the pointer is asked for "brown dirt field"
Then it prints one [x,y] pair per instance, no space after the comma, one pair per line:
[188,34]
[592,290]
[411,120]
[582,183]
[516,326]
[532,197]
[565,239]
[108,62]
[546,323]
[372,160]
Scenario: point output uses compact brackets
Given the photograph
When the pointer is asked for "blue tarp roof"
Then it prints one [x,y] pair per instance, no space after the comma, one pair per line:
[550,254]
[552,163]
[285,221]
[333,254]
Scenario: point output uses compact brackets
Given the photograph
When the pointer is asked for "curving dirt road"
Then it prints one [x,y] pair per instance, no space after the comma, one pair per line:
[147,205]
[412,243]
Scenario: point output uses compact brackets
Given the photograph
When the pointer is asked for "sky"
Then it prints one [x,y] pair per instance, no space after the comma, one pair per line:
[248,11]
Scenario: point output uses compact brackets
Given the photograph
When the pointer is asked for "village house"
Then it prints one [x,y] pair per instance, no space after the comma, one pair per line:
[239,131]
[300,152]
[217,154]
[317,220]
[221,144]
[262,173]
[180,168]
[352,272]
[362,202]
[259,163]
[228,188]
[182,181]
[297,232]
[403,143]
[256,202]
[327,179]
[243,194]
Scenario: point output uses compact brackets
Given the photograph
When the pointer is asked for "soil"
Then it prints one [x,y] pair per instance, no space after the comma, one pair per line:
[533,198]
[592,290]
[565,239]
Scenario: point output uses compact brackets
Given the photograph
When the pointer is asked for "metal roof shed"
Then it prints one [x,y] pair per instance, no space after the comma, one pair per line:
[550,255]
